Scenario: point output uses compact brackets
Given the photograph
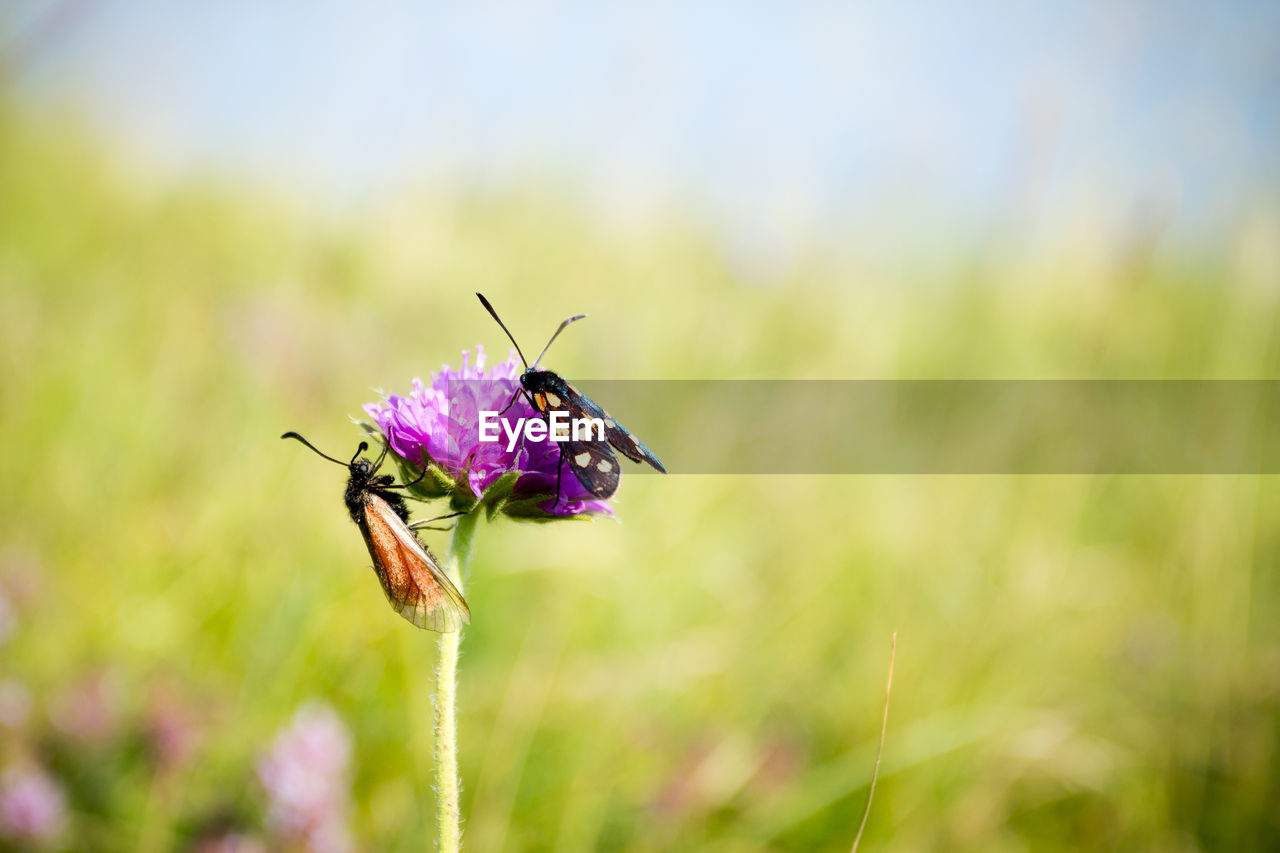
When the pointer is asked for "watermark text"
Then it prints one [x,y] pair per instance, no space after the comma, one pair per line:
[560,428]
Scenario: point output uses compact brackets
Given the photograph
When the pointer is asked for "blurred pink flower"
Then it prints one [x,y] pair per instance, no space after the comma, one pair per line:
[31,804]
[305,777]
[89,708]
[21,576]
[233,842]
[170,728]
[15,704]
[8,619]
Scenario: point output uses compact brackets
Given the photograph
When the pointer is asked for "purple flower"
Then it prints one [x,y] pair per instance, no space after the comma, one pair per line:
[443,420]
[31,804]
[305,777]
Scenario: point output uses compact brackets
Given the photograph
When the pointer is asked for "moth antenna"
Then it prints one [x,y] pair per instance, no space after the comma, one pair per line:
[383,455]
[494,315]
[575,318]
[364,445]
[292,434]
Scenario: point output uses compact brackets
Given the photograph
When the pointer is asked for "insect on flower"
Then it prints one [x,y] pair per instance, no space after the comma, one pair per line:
[416,586]
[593,463]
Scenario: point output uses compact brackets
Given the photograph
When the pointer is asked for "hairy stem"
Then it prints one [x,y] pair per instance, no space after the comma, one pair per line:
[449,832]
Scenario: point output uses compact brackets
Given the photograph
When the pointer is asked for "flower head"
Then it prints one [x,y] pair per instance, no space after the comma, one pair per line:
[32,807]
[305,777]
[442,421]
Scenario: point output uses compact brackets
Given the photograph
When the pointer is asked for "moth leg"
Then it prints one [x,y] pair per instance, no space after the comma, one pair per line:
[418,525]
[511,402]
[535,409]
[559,474]
[426,461]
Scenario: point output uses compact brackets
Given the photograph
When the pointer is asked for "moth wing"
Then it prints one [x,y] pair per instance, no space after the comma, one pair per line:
[628,445]
[416,586]
[595,466]
[582,406]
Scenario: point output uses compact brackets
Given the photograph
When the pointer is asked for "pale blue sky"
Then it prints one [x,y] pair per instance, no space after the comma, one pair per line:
[853,120]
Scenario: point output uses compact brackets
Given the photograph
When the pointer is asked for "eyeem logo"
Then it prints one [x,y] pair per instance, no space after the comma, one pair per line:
[536,429]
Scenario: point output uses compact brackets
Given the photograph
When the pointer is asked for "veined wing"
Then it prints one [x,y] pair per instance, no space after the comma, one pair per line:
[416,586]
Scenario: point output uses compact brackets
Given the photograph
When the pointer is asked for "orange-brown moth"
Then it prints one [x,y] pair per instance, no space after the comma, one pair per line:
[416,586]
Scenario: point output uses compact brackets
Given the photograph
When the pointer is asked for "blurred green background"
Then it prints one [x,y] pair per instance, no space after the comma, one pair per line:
[1083,662]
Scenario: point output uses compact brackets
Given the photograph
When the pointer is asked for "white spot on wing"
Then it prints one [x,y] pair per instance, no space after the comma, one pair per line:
[553,400]
[582,459]
[605,465]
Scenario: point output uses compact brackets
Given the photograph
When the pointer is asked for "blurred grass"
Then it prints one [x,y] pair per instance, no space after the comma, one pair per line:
[1084,663]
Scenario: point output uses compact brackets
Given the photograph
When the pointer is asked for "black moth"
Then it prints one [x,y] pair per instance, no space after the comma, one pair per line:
[416,586]
[593,463]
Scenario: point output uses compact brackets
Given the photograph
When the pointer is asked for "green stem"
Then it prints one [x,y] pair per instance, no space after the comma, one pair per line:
[446,727]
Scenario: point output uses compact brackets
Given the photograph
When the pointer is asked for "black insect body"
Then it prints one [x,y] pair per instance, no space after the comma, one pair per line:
[413,581]
[591,460]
